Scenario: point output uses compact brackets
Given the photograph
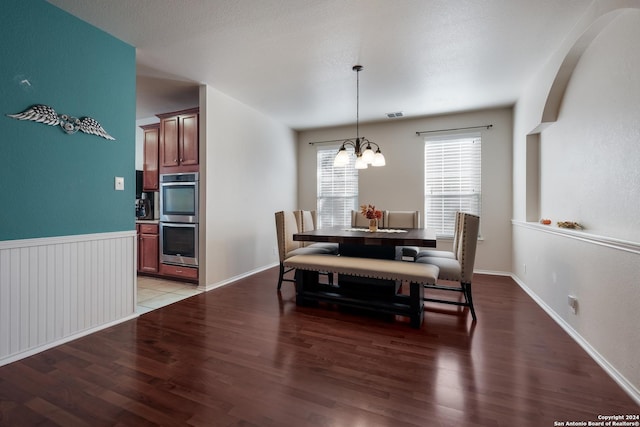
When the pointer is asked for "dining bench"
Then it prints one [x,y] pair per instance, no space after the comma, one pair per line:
[309,289]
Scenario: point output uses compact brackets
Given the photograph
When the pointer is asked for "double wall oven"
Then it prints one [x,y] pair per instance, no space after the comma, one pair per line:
[179,219]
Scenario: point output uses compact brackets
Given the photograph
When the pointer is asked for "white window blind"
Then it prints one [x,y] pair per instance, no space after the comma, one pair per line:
[337,189]
[452,170]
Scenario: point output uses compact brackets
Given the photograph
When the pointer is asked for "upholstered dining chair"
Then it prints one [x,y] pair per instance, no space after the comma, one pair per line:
[403,219]
[307,221]
[460,268]
[456,240]
[286,227]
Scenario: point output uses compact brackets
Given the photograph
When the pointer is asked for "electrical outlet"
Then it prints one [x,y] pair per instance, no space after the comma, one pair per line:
[573,303]
[525,267]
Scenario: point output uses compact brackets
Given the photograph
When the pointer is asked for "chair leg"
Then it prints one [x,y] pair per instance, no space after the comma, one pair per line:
[469,298]
[280,276]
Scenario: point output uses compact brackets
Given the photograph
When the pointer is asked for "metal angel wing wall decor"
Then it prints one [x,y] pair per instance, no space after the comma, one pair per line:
[48,116]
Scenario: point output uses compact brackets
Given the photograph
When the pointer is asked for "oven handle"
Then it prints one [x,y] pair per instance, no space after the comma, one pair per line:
[178,224]
[184,183]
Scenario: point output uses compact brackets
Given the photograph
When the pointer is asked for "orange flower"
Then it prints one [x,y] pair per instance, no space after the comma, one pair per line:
[370,212]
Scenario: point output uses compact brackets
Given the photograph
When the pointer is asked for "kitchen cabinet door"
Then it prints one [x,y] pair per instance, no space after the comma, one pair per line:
[188,139]
[148,248]
[169,154]
[179,141]
[150,166]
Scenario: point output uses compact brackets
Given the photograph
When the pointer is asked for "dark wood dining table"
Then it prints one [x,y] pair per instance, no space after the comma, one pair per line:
[360,242]
[362,236]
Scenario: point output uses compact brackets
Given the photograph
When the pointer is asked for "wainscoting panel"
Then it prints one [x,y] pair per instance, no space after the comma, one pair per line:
[54,289]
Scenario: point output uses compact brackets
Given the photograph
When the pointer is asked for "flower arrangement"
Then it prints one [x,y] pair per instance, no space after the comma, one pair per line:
[370,212]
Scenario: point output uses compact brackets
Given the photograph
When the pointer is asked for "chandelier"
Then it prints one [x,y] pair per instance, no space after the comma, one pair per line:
[365,155]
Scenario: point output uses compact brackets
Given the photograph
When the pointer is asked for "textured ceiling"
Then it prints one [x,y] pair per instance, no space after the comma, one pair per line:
[292,59]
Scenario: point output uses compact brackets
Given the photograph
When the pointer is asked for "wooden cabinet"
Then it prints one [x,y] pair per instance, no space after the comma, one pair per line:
[148,238]
[179,141]
[150,169]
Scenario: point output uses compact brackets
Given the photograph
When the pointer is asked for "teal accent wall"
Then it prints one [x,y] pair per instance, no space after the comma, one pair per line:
[52,183]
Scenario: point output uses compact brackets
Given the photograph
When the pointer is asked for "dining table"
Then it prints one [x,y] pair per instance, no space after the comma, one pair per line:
[381,243]
[361,242]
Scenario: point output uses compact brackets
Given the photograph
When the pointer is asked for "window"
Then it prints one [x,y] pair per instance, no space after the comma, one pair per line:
[452,166]
[337,189]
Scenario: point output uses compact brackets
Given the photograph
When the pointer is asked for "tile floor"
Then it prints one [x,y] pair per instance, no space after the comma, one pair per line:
[156,292]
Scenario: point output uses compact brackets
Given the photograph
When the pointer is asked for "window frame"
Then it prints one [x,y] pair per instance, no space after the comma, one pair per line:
[466,177]
[348,171]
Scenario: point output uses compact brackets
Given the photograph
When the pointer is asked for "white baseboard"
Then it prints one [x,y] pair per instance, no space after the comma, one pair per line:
[629,388]
[211,286]
[493,273]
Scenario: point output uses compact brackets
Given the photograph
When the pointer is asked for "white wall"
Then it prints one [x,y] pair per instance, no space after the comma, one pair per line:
[400,184]
[591,155]
[250,174]
[588,172]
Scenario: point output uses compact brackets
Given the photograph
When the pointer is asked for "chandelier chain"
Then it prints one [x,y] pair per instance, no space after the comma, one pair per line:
[364,154]
[357,104]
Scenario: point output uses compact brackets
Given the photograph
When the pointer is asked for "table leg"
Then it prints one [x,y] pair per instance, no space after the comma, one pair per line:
[305,281]
[416,304]
[366,287]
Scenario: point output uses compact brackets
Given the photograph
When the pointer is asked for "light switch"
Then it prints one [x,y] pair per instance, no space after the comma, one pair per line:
[119,183]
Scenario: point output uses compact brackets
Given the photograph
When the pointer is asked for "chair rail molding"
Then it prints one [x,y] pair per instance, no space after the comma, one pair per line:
[609,242]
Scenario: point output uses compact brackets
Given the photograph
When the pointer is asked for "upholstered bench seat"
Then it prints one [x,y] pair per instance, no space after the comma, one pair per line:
[425,274]
[371,272]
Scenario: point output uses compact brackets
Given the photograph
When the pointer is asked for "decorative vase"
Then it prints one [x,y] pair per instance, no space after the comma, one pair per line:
[373,224]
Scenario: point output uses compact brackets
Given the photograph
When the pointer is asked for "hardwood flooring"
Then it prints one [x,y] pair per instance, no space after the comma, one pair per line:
[246,355]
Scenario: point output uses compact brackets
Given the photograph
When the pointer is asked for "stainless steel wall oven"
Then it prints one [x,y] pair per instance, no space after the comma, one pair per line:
[179,243]
[179,219]
[179,197]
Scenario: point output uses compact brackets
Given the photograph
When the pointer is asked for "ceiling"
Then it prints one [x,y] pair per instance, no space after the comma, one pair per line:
[292,59]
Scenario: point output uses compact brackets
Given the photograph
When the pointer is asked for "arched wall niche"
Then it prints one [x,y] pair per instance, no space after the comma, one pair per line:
[601,15]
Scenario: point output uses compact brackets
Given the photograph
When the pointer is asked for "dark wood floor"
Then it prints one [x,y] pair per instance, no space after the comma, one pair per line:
[246,355]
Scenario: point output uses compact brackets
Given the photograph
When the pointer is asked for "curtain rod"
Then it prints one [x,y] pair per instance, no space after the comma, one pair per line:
[331,140]
[417,133]
[444,130]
